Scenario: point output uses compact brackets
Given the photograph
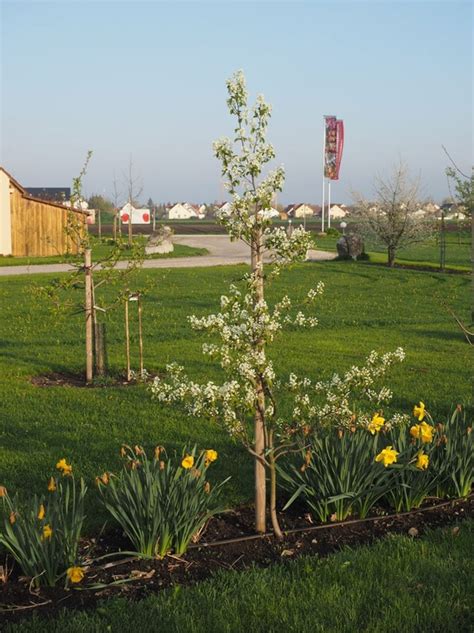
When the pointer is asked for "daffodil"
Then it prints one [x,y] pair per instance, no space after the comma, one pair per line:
[52,484]
[47,532]
[64,467]
[422,460]
[188,462]
[387,456]
[376,424]
[419,411]
[3,491]
[41,512]
[75,574]
[210,456]
[426,432]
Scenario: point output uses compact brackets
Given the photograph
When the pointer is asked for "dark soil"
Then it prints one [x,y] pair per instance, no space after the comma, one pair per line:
[66,379]
[242,550]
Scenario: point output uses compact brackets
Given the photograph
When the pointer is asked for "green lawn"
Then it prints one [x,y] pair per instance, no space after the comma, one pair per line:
[458,251]
[100,250]
[398,585]
[364,308]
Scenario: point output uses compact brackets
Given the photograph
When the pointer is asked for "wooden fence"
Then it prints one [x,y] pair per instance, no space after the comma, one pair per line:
[39,228]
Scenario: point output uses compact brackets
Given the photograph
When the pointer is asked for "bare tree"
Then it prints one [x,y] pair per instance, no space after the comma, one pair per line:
[393,219]
[116,196]
[134,190]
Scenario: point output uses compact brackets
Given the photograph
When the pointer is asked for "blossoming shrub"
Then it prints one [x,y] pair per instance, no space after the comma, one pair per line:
[339,474]
[161,505]
[42,534]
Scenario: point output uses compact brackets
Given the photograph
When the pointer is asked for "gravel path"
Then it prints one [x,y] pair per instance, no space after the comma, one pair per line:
[221,252]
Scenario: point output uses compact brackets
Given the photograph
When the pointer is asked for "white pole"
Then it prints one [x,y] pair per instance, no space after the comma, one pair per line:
[329,204]
[324,152]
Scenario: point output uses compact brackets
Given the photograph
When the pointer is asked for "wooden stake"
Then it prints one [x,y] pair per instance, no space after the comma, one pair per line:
[140,335]
[89,315]
[127,340]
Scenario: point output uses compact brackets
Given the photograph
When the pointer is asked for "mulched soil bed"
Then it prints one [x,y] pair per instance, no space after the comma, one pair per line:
[66,379]
[204,558]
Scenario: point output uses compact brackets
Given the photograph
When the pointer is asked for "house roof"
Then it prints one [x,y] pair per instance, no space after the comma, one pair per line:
[25,194]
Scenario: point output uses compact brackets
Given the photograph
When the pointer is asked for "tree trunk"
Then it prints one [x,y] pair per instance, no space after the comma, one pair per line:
[89,315]
[391,256]
[130,231]
[273,493]
[259,421]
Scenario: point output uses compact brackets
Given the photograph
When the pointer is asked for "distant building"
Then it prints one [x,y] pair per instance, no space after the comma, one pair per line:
[182,211]
[31,226]
[338,211]
[138,216]
[301,210]
[52,194]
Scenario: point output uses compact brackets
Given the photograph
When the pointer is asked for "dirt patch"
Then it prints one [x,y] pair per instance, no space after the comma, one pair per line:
[242,550]
[65,379]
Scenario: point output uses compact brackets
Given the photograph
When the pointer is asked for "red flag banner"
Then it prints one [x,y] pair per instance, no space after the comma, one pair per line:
[330,147]
[340,145]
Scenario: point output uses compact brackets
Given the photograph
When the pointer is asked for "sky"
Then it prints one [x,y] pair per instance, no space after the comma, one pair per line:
[146,80]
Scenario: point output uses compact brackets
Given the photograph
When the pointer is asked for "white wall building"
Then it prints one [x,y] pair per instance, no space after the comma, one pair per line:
[139,216]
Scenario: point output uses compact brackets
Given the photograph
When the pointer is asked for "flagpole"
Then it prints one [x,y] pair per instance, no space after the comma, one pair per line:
[329,204]
[324,153]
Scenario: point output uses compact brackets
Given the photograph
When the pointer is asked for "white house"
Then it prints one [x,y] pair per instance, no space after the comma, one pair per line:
[338,211]
[300,210]
[181,211]
[138,216]
[225,207]
[270,213]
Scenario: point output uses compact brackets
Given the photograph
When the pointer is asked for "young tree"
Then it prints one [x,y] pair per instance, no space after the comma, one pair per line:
[134,190]
[266,414]
[391,220]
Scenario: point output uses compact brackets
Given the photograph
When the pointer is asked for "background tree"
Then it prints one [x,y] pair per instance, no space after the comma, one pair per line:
[463,185]
[391,219]
[134,188]
[104,208]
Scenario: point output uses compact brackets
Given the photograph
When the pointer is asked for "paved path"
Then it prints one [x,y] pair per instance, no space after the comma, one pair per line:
[221,252]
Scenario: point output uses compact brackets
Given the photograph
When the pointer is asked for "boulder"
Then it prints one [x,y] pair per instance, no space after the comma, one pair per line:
[160,242]
[350,246]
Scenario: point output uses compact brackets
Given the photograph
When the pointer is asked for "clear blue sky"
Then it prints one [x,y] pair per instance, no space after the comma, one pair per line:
[148,79]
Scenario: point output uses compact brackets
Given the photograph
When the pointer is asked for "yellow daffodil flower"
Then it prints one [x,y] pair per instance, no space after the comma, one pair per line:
[52,485]
[211,456]
[41,512]
[419,411]
[415,431]
[426,432]
[47,532]
[188,462]
[387,456]
[64,467]
[75,574]
[3,491]
[376,424]
[422,461]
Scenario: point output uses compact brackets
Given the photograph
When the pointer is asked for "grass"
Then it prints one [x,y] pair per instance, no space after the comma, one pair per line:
[100,250]
[427,254]
[398,584]
[364,308]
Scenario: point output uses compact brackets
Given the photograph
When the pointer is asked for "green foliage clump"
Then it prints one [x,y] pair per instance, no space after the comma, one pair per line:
[161,505]
[42,534]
